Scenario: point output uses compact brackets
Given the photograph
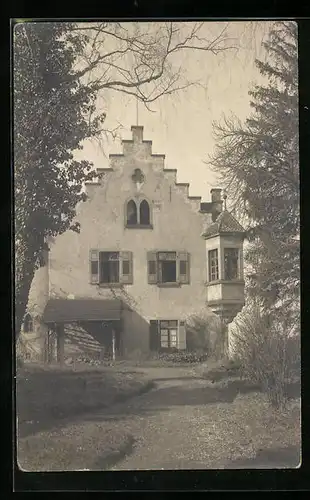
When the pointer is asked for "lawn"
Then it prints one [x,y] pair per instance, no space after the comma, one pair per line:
[49,398]
[72,446]
[256,434]
[48,393]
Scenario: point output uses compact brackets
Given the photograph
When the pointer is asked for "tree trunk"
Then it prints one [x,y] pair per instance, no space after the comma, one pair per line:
[24,273]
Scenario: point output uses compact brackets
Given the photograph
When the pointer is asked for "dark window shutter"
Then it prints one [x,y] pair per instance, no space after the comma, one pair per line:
[183,259]
[126,268]
[94,266]
[182,335]
[154,336]
[152,267]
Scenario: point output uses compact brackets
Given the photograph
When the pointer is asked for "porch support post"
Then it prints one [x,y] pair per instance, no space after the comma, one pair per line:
[113,343]
[60,344]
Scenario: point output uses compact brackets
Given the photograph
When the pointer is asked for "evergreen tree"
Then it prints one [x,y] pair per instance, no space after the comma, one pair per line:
[258,162]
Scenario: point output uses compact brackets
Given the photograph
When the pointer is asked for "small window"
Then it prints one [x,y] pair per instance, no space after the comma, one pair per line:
[167,267]
[213,265]
[168,334]
[132,216]
[138,214]
[231,257]
[144,213]
[28,324]
[109,267]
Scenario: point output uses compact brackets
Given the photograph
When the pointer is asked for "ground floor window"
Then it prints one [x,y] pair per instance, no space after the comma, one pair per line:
[168,333]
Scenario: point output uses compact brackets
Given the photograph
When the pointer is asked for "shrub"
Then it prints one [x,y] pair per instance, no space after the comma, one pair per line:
[202,332]
[268,356]
[183,356]
[26,349]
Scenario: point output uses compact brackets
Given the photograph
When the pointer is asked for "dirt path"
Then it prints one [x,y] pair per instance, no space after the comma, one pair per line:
[188,423]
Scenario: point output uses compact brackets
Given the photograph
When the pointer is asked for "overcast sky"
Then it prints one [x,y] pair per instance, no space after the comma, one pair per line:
[181,126]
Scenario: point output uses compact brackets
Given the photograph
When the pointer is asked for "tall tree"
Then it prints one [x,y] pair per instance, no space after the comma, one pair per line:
[60,71]
[258,162]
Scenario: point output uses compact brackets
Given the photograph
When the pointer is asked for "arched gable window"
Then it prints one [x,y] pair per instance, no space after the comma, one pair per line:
[132,215]
[28,323]
[144,213]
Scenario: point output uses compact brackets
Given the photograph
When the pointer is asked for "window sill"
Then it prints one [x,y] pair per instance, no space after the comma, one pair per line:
[225,282]
[139,226]
[110,285]
[169,285]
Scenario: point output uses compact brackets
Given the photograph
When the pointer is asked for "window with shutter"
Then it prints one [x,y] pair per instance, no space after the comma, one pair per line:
[152,267]
[94,266]
[168,268]
[183,259]
[126,268]
[109,268]
[168,334]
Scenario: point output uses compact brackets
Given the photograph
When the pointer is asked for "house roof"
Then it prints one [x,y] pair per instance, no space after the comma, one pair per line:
[225,223]
[71,310]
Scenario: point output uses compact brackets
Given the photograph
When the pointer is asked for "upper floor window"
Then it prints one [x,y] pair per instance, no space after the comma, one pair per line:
[138,214]
[110,268]
[231,257]
[144,213]
[168,268]
[132,213]
[213,265]
[28,323]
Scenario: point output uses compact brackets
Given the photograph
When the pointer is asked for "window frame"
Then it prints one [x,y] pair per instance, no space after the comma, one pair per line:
[213,275]
[28,320]
[237,251]
[154,259]
[169,328]
[119,260]
[138,203]
[125,278]
[132,201]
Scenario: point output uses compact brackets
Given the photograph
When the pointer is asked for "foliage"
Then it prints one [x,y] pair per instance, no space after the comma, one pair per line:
[267,354]
[183,357]
[202,332]
[259,165]
[49,125]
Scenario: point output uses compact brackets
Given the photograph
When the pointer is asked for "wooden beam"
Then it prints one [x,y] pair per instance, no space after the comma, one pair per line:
[60,344]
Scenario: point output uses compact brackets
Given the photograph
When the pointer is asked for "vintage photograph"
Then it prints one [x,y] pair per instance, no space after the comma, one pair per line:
[157,243]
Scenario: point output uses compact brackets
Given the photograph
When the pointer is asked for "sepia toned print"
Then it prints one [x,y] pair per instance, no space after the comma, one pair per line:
[156,171]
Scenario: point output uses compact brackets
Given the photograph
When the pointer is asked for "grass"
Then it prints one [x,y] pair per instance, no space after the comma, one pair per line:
[249,432]
[49,398]
[87,444]
[45,393]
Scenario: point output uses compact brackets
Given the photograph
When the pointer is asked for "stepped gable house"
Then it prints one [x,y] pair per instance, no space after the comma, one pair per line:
[138,268]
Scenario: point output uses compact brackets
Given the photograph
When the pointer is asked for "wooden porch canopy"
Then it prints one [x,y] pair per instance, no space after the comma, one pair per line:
[74,310]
